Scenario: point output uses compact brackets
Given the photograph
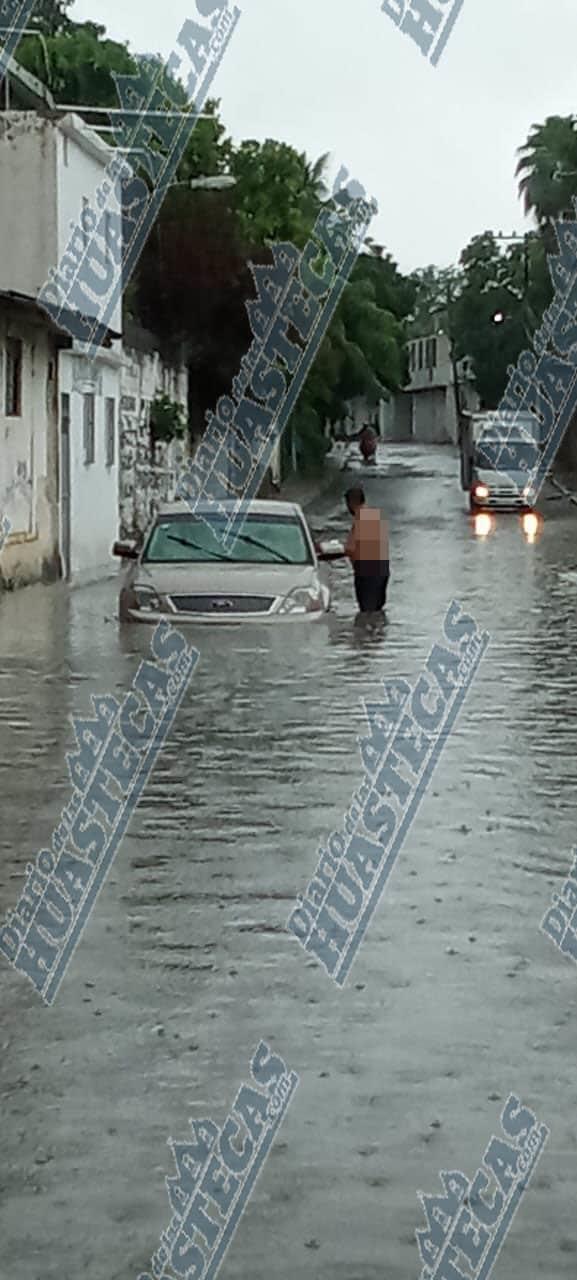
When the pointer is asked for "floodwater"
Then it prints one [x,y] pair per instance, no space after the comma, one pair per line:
[456,999]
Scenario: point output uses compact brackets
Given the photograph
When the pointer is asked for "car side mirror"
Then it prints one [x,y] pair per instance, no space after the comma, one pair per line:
[327,551]
[125,550]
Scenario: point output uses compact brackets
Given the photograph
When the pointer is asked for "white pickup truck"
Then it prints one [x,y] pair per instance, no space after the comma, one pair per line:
[499,453]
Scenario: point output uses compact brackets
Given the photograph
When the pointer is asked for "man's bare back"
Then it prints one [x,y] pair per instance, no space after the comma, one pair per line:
[367,547]
[368,541]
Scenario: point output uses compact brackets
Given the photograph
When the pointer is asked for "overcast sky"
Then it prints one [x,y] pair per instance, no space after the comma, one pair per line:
[435,146]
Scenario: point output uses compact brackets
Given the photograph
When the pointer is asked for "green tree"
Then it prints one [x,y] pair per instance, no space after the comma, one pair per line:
[493,285]
[435,290]
[190,289]
[77,64]
[51,16]
[278,193]
[362,355]
[547,170]
[393,292]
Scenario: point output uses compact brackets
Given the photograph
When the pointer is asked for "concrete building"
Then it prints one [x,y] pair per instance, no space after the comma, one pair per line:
[431,415]
[49,171]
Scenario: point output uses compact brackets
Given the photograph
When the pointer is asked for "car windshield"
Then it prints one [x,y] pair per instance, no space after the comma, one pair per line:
[264,539]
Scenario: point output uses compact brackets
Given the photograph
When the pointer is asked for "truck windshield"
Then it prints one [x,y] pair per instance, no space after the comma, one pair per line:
[506,455]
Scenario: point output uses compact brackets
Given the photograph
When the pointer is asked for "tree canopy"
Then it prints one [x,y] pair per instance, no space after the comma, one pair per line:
[547,169]
[192,282]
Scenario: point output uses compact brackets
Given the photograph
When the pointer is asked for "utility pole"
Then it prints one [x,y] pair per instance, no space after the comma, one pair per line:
[458,405]
[523,240]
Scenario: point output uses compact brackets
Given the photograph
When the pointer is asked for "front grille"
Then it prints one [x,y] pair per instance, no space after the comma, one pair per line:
[222,605]
[505,493]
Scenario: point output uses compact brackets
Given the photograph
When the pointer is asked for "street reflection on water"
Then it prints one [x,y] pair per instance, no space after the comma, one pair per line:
[189,935]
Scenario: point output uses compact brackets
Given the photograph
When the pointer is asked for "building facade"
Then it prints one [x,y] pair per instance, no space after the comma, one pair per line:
[437,389]
[49,170]
[28,443]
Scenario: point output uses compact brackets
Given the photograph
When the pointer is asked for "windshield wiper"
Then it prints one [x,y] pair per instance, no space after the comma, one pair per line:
[186,542]
[253,542]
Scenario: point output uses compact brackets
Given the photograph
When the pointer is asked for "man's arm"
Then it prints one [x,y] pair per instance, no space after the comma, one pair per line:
[351,544]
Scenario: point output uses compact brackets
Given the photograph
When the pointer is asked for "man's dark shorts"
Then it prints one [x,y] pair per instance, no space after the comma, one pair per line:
[371,582]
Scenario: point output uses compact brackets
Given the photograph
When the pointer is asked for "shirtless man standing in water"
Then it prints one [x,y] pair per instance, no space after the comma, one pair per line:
[367,548]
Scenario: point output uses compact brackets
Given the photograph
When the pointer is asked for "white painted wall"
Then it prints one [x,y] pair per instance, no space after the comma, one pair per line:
[94,486]
[81,167]
[81,161]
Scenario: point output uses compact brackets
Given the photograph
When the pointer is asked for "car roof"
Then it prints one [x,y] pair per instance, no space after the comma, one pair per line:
[258,506]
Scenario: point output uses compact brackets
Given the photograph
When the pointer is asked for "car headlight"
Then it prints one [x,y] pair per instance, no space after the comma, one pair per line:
[481,491]
[303,600]
[146,600]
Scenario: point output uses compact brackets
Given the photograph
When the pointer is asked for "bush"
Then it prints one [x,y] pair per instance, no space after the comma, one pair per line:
[167,421]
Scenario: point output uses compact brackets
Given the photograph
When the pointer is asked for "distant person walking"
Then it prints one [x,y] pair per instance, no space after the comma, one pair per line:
[367,548]
[368,444]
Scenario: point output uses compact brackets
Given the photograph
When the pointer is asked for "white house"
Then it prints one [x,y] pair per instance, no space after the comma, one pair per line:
[49,171]
[433,414]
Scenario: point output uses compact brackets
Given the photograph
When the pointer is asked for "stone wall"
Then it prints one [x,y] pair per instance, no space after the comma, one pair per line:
[148,474]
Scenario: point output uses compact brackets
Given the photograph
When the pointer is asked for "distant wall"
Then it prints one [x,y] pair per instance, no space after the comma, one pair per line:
[147,478]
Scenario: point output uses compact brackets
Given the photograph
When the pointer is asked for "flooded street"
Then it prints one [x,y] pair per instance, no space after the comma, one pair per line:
[455,1000]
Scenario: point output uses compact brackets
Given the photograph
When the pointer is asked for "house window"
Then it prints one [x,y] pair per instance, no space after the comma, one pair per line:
[13,386]
[88,429]
[65,412]
[109,430]
[420,355]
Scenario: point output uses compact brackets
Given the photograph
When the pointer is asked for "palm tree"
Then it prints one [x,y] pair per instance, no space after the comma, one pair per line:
[548,170]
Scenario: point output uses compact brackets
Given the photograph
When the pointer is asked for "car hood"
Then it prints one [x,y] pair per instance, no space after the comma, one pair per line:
[233,579]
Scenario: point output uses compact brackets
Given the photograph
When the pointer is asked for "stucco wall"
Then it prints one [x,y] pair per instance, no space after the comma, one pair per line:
[28,455]
[28,214]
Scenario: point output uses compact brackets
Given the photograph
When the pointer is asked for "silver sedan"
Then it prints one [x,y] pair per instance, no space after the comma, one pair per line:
[186,570]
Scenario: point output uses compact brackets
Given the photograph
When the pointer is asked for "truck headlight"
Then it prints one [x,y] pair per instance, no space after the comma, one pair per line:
[530,526]
[481,491]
